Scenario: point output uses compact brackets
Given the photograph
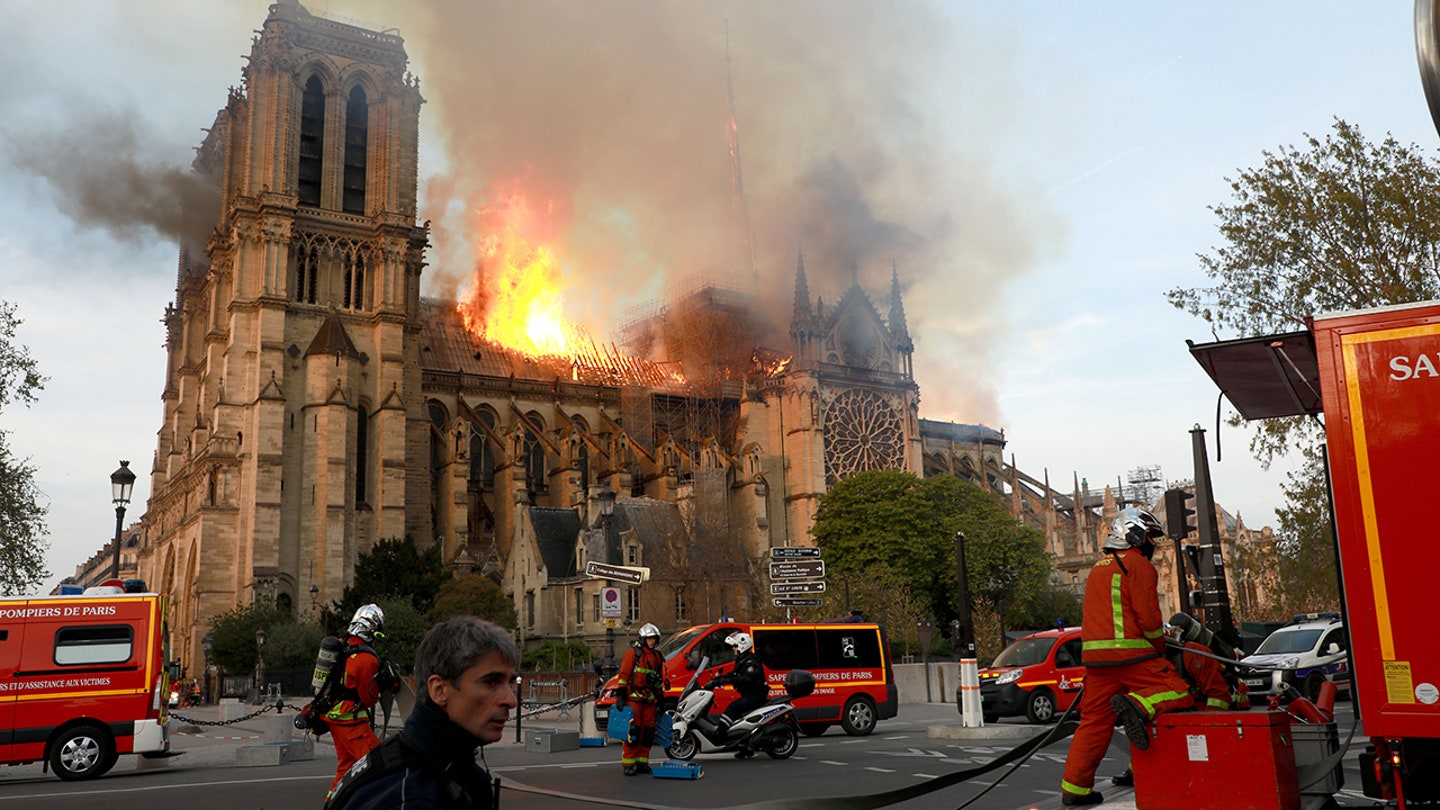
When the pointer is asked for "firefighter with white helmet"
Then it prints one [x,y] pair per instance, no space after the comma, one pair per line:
[1123,645]
[349,719]
[642,673]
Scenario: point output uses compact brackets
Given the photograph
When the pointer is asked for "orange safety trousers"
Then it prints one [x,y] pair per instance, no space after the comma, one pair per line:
[352,742]
[1155,686]
[636,748]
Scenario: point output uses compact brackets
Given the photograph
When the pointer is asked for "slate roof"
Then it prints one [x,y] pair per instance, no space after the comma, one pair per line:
[556,531]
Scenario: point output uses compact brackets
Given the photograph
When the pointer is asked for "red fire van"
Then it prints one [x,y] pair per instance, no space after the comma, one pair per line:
[82,680]
[854,682]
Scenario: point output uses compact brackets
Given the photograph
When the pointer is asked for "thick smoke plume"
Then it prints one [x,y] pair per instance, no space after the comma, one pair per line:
[847,116]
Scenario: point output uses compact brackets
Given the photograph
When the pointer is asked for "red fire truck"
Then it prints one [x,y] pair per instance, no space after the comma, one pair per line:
[82,680]
[1375,376]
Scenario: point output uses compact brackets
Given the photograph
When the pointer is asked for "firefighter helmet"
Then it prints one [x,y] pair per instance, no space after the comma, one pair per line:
[1133,528]
[649,631]
[367,622]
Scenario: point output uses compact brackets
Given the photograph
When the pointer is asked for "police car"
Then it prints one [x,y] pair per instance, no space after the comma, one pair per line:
[1304,654]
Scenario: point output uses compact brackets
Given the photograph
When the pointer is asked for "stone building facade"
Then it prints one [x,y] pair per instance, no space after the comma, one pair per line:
[315,403]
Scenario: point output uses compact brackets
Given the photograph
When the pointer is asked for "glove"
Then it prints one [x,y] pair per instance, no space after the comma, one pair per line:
[620,703]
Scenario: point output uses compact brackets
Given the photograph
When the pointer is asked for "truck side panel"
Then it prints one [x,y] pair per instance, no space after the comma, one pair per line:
[1380,383]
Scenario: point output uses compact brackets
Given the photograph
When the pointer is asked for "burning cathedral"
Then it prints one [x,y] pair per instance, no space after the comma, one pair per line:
[315,403]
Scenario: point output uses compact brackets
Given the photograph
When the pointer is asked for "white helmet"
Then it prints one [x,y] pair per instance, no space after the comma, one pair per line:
[366,622]
[1133,528]
[649,631]
[741,641]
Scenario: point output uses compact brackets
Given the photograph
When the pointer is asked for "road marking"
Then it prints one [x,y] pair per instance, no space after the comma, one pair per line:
[833,762]
[899,737]
[880,770]
[92,791]
[924,776]
[852,742]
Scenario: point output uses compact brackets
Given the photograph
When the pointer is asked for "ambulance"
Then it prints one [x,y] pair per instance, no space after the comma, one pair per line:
[83,679]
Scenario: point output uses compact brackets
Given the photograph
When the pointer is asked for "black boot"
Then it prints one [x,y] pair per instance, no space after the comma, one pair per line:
[1126,779]
[1134,719]
[1075,800]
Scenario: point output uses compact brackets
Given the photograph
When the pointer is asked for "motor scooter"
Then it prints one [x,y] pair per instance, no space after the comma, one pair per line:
[770,727]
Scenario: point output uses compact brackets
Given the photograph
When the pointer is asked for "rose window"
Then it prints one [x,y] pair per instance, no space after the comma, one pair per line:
[862,432]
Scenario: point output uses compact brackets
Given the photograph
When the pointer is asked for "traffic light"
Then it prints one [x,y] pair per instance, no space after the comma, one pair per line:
[1179,517]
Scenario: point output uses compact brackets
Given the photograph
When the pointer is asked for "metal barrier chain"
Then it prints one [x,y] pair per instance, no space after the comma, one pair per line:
[564,704]
[279,706]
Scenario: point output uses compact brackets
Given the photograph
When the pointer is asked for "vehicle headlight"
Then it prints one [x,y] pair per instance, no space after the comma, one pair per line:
[1009,677]
[1289,663]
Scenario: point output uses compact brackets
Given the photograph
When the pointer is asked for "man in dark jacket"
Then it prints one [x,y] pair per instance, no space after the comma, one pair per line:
[464,670]
[748,678]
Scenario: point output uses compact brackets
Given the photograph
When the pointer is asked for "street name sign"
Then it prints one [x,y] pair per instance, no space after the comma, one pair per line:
[625,573]
[793,552]
[796,601]
[777,588]
[797,569]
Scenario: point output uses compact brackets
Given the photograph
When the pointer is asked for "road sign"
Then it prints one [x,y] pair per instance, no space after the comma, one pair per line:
[610,623]
[796,601]
[797,569]
[793,552]
[816,586]
[625,573]
[609,603]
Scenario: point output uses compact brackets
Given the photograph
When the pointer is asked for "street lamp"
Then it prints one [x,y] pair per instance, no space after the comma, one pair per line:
[260,663]
[122,481]
[314,594]
[207,644]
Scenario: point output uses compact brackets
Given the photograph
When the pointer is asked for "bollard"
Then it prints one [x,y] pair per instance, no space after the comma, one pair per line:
[971,716]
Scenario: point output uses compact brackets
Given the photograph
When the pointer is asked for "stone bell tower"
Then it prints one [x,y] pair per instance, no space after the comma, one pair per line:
[293,426]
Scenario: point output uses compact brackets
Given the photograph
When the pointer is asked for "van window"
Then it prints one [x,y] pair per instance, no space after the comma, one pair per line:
[787,649]
[1069,654]
[1336,636]
[716,649]
[848,648]
[112,644]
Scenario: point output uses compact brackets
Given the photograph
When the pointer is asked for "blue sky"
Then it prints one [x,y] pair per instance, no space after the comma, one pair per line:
[1038,172]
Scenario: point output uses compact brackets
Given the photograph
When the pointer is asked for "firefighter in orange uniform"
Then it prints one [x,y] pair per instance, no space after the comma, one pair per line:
[1126,672]
[641,687]
[350,718]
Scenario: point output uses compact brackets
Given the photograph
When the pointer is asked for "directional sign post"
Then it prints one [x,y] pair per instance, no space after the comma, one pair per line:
[797,569]
[625,573]
[796,601]
[793,552]
[778,588]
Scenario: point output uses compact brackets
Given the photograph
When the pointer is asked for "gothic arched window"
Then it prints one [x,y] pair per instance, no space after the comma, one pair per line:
[357,139]
[535,478]
[312,144]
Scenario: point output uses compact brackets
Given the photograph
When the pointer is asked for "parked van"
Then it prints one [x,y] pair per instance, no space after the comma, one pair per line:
[82,680]
[854,682]
[1037,677]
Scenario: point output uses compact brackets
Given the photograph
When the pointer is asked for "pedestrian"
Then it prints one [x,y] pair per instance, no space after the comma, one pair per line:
[641,688]
[747,678]
[1123,645]
[350,719]
[464,671]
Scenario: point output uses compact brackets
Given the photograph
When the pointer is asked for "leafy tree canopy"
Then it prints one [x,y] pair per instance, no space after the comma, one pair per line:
[557,656]
[894,521]
[473,595]
[22,516]
[1337,225]
[393,568]
[233,635]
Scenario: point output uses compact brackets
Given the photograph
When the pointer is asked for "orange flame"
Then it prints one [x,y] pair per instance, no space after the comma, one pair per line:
[515,298]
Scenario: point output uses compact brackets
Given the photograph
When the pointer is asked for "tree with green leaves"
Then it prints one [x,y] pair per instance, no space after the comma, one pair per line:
[236,647]
[893,521]
[22,515]
[473,595]
[1339,224]
[393,568]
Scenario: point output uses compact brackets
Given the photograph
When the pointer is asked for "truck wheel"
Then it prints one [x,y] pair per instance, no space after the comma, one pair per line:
[858,717]
[1313,682]
[684,748]
[83,752]
[1040,708]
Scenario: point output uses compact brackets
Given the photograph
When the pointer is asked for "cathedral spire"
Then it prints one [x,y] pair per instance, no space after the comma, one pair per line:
[802,294]
[898,328]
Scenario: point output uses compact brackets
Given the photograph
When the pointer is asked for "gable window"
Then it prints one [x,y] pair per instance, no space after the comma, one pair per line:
[357,137]
[312,144]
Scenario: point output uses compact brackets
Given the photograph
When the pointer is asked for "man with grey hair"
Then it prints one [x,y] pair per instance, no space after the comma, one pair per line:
[464,670]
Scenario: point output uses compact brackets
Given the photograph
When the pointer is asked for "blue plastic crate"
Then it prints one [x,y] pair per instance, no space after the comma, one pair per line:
[618,727]
[677,769]
[592,742]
